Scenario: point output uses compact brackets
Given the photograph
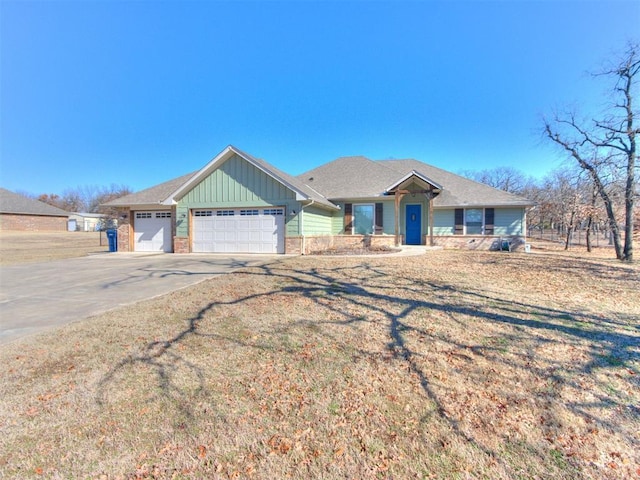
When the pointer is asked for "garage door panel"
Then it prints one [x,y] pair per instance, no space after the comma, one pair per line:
[239,231]
[152,232]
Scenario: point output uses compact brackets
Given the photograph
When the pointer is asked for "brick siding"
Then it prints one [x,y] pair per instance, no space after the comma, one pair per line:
[33,223]
[181,245]
[124,232]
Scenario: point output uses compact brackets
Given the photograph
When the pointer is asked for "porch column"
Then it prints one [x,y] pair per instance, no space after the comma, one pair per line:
[397,204]
[399,196]
[430,200]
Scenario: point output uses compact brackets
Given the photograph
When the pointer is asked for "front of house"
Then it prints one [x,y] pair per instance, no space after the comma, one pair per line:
[240,204]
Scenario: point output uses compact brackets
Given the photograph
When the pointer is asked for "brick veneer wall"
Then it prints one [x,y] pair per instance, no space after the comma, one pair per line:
[319,243]
[32,223]
[124,234]
[181,245]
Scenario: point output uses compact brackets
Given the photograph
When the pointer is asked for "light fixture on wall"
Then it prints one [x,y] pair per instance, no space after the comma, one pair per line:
[292,213]
[123,216]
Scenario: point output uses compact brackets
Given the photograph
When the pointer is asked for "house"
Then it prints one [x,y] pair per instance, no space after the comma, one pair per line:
[238,203]
[18,212]
[88,222]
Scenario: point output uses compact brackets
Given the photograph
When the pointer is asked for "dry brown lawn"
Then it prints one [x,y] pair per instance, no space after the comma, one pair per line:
[28,247]
[452,364]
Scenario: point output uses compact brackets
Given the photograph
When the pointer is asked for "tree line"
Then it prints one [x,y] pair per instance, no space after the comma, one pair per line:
[598,188]
[85,199]
[568,207]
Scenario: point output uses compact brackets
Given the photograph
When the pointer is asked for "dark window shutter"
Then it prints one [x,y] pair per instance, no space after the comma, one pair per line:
[348,218]
[489,216]
[379,228]
[459,221]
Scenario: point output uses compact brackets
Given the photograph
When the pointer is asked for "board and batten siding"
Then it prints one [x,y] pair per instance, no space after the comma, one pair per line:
[509,221]
[237,181]
[236,184]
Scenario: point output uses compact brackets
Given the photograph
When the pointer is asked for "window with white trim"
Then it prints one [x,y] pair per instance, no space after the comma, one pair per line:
[143,214]
[163,215]
[249,212]
[225,213]
[473,220]
[363,218]
[203,213]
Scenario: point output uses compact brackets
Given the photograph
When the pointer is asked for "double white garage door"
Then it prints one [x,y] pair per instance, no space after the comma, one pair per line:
[241,230]
[246,230]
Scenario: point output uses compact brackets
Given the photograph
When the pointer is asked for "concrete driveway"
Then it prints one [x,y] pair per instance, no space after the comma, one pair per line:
[36,297]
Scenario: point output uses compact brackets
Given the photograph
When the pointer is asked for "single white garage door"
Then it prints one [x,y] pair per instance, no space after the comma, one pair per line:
[152,232]
[246,230]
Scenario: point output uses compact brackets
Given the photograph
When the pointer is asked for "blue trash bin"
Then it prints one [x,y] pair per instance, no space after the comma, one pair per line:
[112,236]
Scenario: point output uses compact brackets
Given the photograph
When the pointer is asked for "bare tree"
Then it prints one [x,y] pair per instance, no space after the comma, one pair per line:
[107,194]
[508,179]
[87,198]
[603,146]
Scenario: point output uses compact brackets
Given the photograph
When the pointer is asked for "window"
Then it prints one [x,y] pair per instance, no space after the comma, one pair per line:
[473,221]
[163,215]
[273,211]
[225,213]
[203,213]
[363,217]
[143,214]
[249,212]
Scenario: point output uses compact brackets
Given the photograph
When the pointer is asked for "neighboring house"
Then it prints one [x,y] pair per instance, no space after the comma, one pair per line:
[18,212]
[87,222]
[240,204]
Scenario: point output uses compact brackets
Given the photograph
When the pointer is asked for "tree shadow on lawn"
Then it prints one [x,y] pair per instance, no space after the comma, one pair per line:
[354,294]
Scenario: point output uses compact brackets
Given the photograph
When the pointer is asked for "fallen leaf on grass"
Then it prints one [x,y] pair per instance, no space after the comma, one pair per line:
[202,451]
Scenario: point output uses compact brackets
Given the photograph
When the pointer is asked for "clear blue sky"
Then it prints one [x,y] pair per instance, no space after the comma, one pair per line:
[137,93]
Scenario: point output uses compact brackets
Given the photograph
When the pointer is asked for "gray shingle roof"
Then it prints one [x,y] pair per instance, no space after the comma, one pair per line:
[360,177]
[458,191]
[350,177]
[289,180]
[11,202]
[152,195]
[346,178]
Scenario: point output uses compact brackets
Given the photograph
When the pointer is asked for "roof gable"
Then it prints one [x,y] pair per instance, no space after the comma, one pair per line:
[413,177]
[11,202]
[302,192]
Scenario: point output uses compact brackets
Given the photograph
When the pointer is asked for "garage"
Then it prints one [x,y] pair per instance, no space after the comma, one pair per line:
[241,230]
[152,232]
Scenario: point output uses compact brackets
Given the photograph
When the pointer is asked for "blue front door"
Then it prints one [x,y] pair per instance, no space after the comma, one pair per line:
[413,225]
